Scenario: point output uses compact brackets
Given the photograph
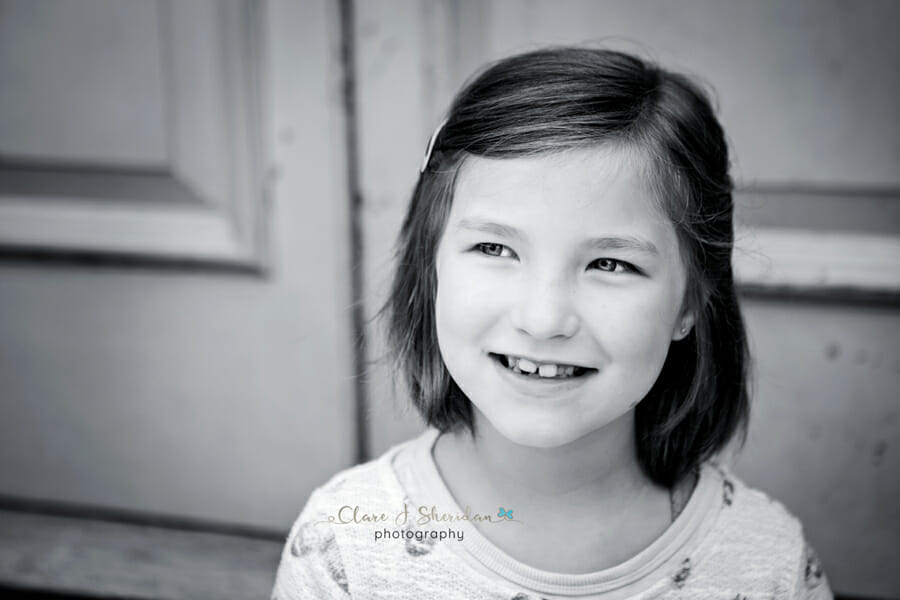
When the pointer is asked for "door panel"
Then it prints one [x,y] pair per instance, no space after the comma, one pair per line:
[168,387]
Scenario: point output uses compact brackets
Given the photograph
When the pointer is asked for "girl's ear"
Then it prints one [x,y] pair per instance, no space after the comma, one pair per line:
[683,326]
[689,313]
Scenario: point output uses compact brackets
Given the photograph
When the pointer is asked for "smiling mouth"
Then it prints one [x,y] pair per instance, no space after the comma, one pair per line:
[528,368]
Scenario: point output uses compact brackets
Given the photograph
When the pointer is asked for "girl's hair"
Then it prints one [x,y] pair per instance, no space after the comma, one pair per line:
[557,99]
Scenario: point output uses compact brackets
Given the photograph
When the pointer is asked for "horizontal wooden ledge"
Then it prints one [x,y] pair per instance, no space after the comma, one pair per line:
[91,557]
[817,261]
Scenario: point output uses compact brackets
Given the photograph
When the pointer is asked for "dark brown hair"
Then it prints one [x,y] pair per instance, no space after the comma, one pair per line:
[556,99]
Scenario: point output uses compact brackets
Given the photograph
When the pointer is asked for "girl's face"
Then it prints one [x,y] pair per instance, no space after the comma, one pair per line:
[560,288]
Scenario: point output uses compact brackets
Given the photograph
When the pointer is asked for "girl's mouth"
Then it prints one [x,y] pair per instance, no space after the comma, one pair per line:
[528,368]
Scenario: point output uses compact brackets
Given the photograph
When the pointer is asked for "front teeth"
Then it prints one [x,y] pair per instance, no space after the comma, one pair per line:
[526,366]
[547,371]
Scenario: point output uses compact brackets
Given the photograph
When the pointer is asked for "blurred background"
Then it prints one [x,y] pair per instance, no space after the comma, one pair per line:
[198,201]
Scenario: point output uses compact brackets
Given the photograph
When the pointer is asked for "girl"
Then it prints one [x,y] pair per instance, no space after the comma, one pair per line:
[565,317]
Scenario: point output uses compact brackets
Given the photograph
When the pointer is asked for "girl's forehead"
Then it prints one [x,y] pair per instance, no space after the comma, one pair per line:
[607,183]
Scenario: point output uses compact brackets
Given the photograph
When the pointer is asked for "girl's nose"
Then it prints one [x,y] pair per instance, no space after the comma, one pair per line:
[545,310]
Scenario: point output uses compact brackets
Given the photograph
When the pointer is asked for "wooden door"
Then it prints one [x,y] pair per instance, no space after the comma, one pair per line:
[175,327]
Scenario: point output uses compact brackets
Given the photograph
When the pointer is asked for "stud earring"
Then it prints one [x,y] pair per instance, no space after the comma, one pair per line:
[683,330]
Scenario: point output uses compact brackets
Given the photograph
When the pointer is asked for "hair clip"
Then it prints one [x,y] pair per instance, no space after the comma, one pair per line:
[430,146]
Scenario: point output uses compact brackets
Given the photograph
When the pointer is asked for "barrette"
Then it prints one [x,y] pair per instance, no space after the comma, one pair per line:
[430,146]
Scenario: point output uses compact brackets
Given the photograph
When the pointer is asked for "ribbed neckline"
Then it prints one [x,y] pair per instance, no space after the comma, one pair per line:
[677,541]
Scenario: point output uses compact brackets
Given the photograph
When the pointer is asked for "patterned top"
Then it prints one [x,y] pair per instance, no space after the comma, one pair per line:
[364,535]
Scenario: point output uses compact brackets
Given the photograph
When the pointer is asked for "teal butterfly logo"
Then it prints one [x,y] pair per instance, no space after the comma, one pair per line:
[505,513]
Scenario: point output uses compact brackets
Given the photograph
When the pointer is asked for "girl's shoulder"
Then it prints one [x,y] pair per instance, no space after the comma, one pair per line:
[742,505]
[752,533]
[335,526]
[369,485]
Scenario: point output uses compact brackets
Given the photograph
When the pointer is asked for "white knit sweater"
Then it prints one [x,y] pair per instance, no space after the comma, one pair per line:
[729,542]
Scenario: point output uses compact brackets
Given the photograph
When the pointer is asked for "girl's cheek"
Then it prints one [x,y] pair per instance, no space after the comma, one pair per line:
[471,295]
[485,297]
[636,316]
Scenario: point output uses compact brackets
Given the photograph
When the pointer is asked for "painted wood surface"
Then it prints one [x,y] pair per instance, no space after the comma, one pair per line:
[222,396]
[115,560]
[134,130]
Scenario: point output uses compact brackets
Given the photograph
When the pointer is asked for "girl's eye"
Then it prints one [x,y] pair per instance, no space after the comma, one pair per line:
[612,265]
[491,249]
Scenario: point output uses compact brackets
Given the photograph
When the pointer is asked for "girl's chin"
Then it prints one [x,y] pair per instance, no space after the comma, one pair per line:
[542,433]
[529,435]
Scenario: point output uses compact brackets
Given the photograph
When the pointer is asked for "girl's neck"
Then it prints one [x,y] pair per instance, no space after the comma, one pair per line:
[599,471]
[585,506]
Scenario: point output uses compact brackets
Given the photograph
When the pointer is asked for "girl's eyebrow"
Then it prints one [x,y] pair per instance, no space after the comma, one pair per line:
[489,227]
[623,243]
[599,243]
